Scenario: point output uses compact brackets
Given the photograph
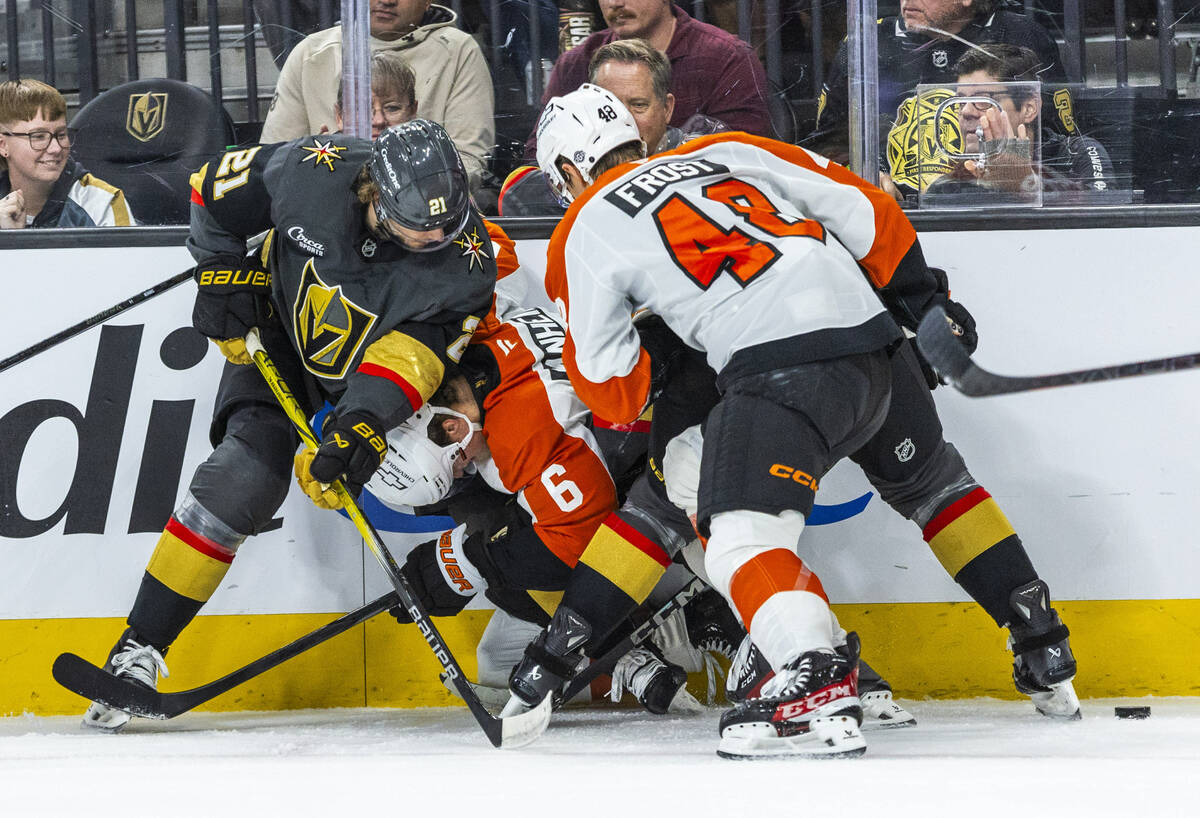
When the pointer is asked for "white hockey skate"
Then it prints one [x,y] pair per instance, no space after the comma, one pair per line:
[880,710]
[659,686]
[141,664]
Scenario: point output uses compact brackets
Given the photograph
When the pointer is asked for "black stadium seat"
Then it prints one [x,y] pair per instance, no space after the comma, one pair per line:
[146,137]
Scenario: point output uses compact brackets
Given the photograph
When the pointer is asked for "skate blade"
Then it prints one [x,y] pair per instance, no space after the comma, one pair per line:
[827,737]
[881,712]
[1060,702]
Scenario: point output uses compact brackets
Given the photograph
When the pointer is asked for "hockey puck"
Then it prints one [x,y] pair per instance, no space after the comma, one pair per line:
[1132,712]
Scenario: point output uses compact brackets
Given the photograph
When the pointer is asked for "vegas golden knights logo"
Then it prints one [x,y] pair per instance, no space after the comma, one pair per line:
[330,328]
[147,115]
[912,148]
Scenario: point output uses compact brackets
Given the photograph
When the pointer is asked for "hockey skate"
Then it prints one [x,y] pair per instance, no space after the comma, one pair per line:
[659,686]
[1043,665]
[750,670]
[809,708]
[550,661]
[880,710]
[128,658]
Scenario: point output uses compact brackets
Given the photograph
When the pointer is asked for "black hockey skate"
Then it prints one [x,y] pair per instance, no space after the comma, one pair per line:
[809,708]
[1043,665]
[658,685]
[131,659]
[550,661]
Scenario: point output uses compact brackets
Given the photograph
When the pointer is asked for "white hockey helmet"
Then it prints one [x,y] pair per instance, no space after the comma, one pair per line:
[416,471]
[581,127]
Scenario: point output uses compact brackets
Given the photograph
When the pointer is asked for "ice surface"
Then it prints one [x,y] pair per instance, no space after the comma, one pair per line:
[965,759]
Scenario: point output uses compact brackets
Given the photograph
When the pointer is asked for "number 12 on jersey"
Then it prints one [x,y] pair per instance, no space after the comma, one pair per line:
[703,249]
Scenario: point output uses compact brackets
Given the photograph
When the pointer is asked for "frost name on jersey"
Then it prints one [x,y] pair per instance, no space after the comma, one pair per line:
[642,189]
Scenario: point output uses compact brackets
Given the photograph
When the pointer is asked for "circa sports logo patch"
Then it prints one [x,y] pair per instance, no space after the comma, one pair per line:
[914,157]
[330,328]
[323,153]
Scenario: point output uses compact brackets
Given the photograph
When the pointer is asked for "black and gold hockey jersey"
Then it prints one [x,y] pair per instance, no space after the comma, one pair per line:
[374,323]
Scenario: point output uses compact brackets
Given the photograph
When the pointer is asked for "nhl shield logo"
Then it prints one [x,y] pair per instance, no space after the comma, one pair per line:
[330,328]
[147,115]
[940,58]
[906,450]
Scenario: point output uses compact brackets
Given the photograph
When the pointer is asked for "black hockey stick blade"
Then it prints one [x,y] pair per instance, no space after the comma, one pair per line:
[941,348]
[637,636]
[96,684]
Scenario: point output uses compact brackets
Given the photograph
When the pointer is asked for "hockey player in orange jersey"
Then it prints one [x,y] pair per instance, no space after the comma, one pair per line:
[777,264]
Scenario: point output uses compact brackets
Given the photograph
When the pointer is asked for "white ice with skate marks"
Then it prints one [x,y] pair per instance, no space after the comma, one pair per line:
[977,758]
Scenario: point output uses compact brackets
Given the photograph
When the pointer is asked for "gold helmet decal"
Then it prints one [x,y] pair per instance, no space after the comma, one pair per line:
[330,328]
[914,158]
[147,115]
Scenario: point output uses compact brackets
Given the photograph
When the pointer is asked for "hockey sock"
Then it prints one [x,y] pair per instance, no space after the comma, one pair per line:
[977,545]
[616,572]
[184,571]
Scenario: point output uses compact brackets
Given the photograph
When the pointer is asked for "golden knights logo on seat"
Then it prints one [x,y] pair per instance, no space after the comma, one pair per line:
[913,155]
[147,115]
[330,328]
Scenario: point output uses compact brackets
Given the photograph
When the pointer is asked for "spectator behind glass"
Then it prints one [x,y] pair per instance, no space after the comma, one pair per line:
[637,74]
[40,185]
[922,45]
[393,94]
[1068,163]
[713,72]
[453,88]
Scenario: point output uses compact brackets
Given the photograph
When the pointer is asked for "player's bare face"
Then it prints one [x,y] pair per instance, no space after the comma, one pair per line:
[945,15]
[41,165]
[392,19]
[632,83]
[635,18]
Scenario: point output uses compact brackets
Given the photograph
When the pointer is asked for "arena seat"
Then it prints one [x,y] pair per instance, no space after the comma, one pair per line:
[146,137]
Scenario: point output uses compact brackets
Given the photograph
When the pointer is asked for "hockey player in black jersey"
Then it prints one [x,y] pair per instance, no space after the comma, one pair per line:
[373,275]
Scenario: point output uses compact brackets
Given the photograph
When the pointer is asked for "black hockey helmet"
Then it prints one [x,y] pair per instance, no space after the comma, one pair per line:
[421,179]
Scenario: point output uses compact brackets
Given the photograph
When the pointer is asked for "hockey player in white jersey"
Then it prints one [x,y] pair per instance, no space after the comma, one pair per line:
[776,264]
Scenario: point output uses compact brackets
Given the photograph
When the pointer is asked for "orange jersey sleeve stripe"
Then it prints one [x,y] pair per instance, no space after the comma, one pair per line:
[767,574]
[971,531]
[894,234]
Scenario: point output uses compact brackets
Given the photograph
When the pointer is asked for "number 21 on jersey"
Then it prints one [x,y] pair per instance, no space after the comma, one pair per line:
[703,249]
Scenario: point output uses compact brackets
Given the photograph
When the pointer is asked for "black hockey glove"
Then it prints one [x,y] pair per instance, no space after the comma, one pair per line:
[442,576]
[662,345]
[232,297]
[352,450]
[962,324]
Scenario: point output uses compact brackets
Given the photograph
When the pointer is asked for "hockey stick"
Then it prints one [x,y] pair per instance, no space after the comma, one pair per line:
[637,636]
[510,731]
[82,677]
[99,318]
[941,348]
[252,246]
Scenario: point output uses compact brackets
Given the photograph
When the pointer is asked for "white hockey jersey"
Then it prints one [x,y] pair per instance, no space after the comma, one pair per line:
[751,250]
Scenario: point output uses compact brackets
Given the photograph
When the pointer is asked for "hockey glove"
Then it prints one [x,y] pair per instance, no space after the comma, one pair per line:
[962,324]
[352,450]
[441,575]
[231,297]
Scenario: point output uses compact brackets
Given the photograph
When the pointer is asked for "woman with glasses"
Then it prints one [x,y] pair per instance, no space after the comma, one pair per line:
[40,184]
